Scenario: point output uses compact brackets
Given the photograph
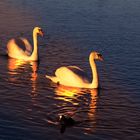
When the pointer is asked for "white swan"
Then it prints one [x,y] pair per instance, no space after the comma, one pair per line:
[21,49]
[73,76]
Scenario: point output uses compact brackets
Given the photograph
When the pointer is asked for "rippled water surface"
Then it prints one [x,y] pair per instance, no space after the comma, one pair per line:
[30,104]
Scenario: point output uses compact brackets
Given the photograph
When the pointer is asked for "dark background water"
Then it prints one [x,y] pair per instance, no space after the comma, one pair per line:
[30,104]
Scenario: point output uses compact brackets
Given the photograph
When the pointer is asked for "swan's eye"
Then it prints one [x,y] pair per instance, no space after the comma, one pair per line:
[40,30]
[99,55]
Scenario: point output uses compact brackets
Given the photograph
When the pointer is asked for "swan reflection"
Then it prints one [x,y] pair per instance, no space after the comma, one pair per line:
[83,101]
[23,69]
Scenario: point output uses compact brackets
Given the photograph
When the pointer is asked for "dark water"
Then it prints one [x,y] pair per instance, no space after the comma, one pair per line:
[30,104]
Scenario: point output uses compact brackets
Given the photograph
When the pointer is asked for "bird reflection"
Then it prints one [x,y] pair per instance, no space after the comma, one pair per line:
[18,67]
[73,95]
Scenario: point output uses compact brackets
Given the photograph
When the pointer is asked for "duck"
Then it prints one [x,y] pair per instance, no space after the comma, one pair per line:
[20,48]
[73,76]
[66,121]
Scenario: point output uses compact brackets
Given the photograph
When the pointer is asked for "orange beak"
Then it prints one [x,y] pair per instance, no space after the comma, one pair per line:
[41,33]
[101,58]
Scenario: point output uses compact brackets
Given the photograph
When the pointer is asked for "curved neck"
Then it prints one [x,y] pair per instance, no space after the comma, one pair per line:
[94,83]
[34,55]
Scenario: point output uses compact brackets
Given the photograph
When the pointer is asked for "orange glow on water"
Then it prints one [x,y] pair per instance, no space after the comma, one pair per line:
[71,95]
[18,67]
[14,64]
[67,91]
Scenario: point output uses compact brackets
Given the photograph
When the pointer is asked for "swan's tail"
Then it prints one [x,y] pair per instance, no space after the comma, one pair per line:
[53,78]
[49,77]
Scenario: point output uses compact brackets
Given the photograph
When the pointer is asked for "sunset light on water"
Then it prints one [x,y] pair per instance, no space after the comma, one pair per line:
[32,105]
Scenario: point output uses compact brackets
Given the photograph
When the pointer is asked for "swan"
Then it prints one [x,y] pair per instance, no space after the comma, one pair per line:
[74,76]
[20,48]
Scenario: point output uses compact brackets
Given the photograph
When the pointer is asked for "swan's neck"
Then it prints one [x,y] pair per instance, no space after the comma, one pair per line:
[94,83]
[34,55]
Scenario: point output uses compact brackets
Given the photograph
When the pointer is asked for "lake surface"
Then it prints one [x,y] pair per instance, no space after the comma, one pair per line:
[30,105]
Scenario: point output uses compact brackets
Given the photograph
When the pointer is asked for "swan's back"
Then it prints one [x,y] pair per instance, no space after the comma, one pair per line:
[19,47]
[71,75]
[26,45]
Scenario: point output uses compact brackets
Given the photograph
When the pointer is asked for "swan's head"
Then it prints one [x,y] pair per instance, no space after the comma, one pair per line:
[39,31]
[96,56]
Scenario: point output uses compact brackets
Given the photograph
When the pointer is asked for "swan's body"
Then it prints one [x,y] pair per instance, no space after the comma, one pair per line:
[73,76]
[21,48]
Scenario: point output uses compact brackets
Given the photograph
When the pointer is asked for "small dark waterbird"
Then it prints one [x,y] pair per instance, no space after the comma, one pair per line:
[66,121]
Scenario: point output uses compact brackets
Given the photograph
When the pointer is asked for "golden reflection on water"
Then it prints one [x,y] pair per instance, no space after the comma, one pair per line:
[18,67]
[34,66]
[14,64]
[70,94]
[67,93]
